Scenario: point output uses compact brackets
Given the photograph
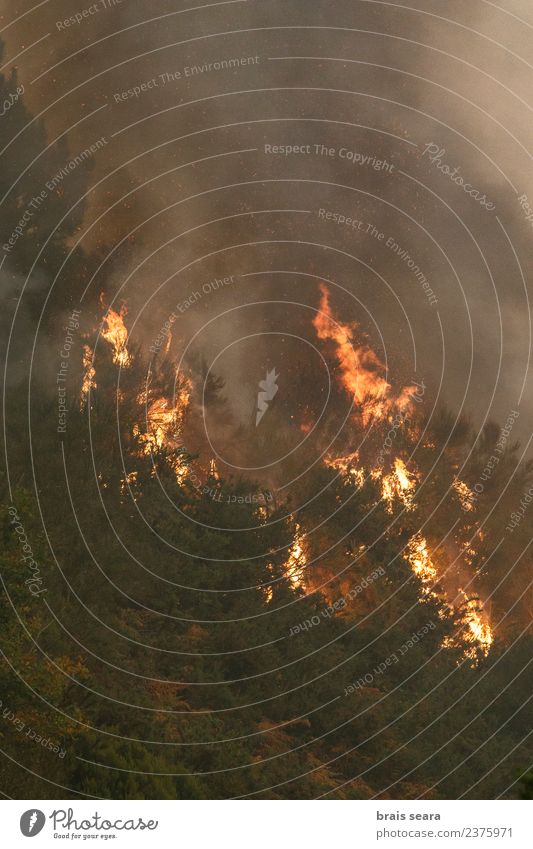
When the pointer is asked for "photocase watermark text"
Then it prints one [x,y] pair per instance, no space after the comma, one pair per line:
[88,12]
[435,155]
[355,157]
[35,581]
[163,337]
[62,373]
[169,77]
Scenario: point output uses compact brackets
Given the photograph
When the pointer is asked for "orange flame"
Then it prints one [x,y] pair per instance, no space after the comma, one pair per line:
[114,331]
[361,368]
[164,427]
[400,483]
[294,566]
[420,561]
[297,559]
[478,623]
[348,466]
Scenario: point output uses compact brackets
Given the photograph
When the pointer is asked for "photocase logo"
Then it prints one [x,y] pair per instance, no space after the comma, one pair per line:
[32,822]
[268,390]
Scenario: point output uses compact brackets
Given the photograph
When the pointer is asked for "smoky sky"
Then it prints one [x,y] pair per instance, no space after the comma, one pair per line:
[198,104]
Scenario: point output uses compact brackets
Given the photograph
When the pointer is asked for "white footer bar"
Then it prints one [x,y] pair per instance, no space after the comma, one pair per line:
[269,824]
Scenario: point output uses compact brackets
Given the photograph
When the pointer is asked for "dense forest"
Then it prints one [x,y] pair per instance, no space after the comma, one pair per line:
[172,631]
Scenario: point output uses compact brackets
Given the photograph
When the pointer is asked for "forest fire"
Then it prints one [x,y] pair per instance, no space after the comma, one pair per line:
[420,561]
[348,466]
[115,333]
[361,368]
[361,377]
[268,481]
[164,418]
[164,427]
[297,560]
[160,420]
[399,483]
[480,631]
[361,373]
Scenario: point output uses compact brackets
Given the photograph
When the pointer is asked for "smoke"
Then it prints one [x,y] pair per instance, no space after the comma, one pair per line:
[188,189]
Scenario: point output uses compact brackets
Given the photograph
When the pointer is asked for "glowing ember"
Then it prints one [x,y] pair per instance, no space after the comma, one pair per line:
[115,333]
[297,559]
[268,590]
[466,496]
[127,483]
[89,373]
[262,514]
[361,368]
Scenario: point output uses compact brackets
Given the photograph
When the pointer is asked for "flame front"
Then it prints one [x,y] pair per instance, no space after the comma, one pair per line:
[115,333]
[297,559]
[164,427]
[399,483]
[480,631]
[420,561]
[361,374]
[348,466]
[361,368]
